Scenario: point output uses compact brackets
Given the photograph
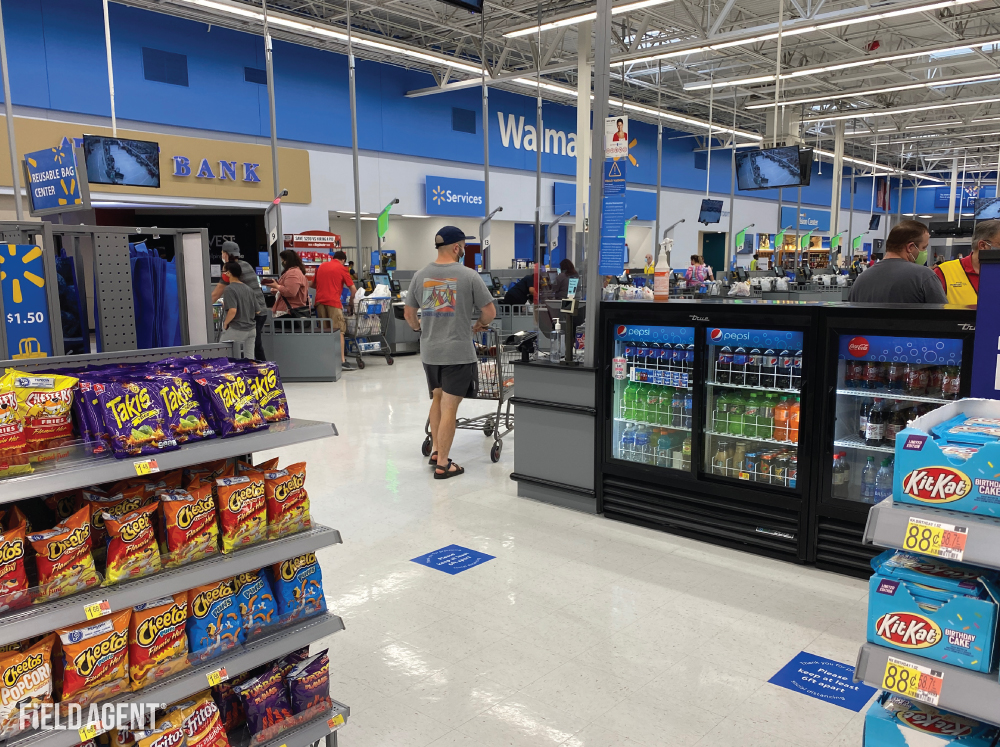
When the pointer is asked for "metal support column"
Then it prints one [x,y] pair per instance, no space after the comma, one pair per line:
[9,111]
[111,70]
[583,66]
[657,238]
[730,238]
[539,144]
[354,141]
[484,240]
[602,85]
[838,177]
[279,241]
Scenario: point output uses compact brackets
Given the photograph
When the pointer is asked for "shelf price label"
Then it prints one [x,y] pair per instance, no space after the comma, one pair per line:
[216,676]
[146,467]
[90,731]
[336,721]
[913,681]
[935,538]
[97,609]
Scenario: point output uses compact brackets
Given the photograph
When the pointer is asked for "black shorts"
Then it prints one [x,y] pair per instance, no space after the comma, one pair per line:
[460,381]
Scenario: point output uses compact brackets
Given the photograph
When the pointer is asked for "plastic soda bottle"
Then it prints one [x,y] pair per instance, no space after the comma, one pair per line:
[677,410]
[688,410]
[652,403]
[664,415]
[627,445]
[765,417]
[781,415]
[628,400]
[720,423]
[750,416]
[737,408]
[793,421]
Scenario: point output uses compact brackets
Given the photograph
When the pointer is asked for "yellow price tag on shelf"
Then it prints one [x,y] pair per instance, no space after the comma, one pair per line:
[217,676]
[97,609]
[913,681]
[146,467]
[935,538]
[336,721]
[90,731]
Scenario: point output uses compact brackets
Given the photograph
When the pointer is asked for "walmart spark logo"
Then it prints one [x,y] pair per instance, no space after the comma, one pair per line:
[52,177]
[8,263]
[438,195]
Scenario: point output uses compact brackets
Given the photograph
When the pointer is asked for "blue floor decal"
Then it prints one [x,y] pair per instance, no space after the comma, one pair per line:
[453,559]
[824,679]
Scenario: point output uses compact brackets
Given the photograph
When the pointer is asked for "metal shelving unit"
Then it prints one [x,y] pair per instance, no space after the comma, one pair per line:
[194,680]
[22,624]
[655,425]
[754,388]
[896,396]
[108,469]
[324,726]
[963,691]
[753,438]
[856,442]
[887,522]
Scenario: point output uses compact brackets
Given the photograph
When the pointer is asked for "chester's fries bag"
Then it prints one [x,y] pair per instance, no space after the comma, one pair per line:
[265,701]
[157,639]
[266,385]
[63,559]
[13,440]
[309,683]
[185,420]
[298,586]
[27,678]
[95,658]
[189,525]
[135,418]
[14,594]
[132,548]
[213,619]
[242,511]
[287,501]
[234,405]
[44,404]
[255,600]
[202,724]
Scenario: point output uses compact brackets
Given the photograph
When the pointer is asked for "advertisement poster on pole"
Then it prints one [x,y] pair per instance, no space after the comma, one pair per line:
[616,137]
[54,186]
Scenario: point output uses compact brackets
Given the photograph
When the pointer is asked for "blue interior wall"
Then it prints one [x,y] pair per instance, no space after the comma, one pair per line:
[57,59]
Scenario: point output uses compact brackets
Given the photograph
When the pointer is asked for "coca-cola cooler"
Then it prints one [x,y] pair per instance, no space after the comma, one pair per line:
[882,367]
[710,445]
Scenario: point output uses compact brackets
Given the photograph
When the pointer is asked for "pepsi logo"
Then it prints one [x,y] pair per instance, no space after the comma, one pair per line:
[621,329]
[858,347]
[715,334]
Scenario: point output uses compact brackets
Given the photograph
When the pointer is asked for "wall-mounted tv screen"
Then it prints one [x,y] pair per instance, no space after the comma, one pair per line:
[768,168]
[115,160]
[805,165]
[987,208]
[476,6]
[873,222]
[711,211]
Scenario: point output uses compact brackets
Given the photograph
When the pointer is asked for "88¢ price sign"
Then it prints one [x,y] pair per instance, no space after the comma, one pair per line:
[935,538]
[913,681]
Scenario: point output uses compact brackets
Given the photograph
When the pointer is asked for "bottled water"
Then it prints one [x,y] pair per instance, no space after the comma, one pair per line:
[643,449]
[628,444]
[868,481]
[883,482]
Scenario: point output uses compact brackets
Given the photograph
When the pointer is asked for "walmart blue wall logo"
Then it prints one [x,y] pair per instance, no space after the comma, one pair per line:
[457,197]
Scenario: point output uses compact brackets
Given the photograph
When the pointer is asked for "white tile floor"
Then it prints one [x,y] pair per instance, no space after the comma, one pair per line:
[581,632]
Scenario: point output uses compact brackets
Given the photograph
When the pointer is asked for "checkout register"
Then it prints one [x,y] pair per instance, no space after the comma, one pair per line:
[494,284]
[383,279]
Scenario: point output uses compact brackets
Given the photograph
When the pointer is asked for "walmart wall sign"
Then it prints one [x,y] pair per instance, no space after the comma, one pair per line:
[461,197]
[226,171]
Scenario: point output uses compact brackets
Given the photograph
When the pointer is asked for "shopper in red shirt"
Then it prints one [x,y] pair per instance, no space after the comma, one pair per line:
[331,279]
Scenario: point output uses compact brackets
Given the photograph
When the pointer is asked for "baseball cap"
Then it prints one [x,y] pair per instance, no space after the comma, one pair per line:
[450,235]
[231,248]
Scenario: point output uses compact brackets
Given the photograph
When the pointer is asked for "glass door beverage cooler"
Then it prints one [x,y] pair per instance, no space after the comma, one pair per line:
[880,375]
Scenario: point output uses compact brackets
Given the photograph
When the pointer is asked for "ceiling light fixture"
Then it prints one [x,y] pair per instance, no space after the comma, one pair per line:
[866,113]
[580,18]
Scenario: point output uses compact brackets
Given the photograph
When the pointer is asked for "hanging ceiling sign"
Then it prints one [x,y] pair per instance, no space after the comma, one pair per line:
[616,137]
[53,183]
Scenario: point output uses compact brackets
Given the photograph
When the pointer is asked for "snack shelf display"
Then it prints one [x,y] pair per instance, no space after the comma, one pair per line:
[973,694]
[196,679]
[108,469]
[326,725]
[59,613]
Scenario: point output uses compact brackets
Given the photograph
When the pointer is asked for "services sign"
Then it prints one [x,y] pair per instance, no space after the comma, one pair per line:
[458,197]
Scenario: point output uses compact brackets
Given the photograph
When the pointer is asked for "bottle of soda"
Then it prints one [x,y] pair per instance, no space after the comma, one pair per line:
[839,486]
[769,369]
[868,481]
[897,376]
[951,382]
[894,423]
[627,446]
[765,416]
[739,369]
[689,359]
[737,408]
[846,465]
[629,397]
[796,378]
[916,380]
[720,423]
[783,376]
[723,365]
[781,415]
[866,406]
[875,428]
[750,416]
[664,415]
[677,410]
[793,421]
[855,375]
[653,403]
[688,410]
[665,357]
[934,381]
[754,359]
[873,375]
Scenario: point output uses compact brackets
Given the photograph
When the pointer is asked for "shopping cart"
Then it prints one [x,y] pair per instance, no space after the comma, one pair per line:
[366,329]
[495,362]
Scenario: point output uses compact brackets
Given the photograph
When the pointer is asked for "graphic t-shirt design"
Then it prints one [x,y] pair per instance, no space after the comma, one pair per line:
[439,296]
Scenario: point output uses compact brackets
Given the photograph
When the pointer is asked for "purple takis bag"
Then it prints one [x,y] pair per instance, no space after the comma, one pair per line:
[134,418]
[309,683]
[234,405]
[184,420]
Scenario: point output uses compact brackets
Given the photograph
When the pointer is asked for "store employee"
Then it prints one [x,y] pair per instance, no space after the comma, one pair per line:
[960,277]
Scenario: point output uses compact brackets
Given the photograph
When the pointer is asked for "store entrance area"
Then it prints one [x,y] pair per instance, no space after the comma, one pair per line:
[580,631]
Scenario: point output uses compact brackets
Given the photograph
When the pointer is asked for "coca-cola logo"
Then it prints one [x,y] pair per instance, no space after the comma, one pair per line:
[858,347]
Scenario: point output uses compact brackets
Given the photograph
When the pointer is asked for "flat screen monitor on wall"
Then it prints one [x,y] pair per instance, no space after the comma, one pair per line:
[873,222]
[476,6]
[987,208]
[768,168]
[711,211]
[115,160]
[805,165]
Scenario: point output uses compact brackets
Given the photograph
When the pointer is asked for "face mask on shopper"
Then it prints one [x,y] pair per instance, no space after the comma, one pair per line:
[922,258]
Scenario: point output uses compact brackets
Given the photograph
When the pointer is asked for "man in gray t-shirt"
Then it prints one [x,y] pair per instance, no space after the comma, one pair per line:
[447,293]
[239,310]
[897,278]
[231,253]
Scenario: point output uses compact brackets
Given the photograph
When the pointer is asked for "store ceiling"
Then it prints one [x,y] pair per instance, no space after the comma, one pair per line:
[919,81]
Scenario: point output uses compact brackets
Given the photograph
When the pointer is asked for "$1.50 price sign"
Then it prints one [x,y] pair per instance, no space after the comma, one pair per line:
[935,538]
[913,681]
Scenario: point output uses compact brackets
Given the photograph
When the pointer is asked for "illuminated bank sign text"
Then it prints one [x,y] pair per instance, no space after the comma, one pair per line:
[226,171]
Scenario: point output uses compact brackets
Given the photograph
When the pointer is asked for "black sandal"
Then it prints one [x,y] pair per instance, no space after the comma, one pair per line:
[448,472]
[433,461]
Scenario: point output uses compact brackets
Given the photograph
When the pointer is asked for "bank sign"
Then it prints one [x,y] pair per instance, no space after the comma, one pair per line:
[459,197]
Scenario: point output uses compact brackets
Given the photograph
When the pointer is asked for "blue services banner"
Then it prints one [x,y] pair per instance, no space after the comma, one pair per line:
[612,260]
[462,197]
[928,350]
[647,333]
[52,178]
[963,197]
[761,338]
[22,280]
[810,219]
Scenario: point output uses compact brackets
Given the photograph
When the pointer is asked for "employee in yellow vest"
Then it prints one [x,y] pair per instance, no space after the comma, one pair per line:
[650,268]
[960,277]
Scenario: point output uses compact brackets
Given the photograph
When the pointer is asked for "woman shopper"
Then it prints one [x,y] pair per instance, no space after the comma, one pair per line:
[561,285]
[292,288]
[698,273]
